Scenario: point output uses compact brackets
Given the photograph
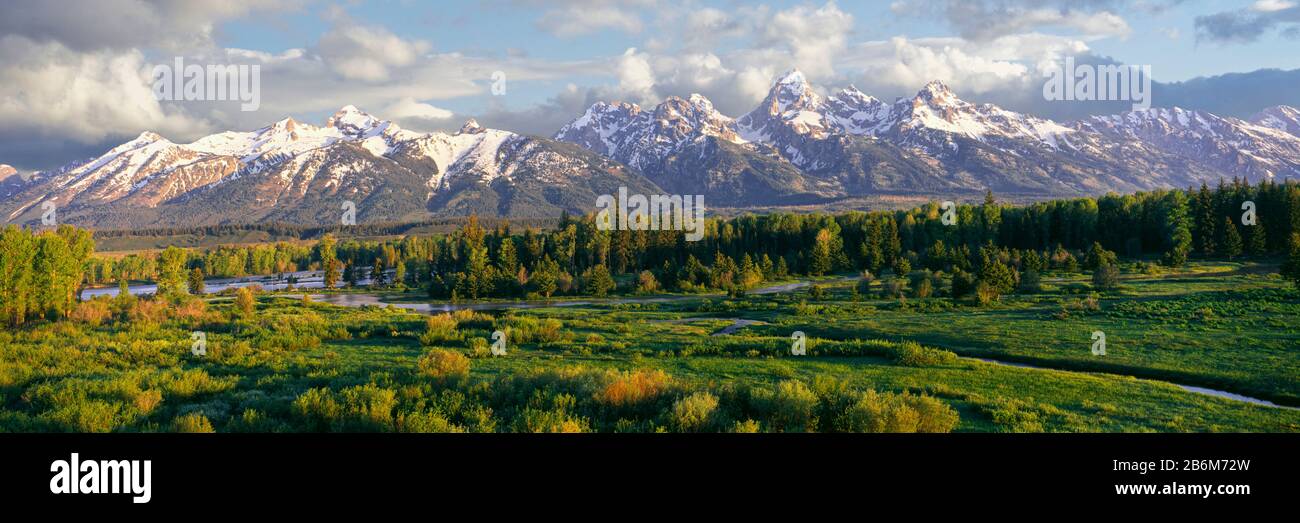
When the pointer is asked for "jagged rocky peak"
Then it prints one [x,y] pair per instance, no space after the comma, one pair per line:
[703,103]
[791,92]
[853,94]
[937,94]
[604,109]
[692,116]
[472,127]
[695,108]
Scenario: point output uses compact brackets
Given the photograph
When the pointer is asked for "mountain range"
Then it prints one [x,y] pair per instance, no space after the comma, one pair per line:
[797,147]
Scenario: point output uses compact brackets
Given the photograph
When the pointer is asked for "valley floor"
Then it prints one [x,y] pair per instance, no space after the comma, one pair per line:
[685,363]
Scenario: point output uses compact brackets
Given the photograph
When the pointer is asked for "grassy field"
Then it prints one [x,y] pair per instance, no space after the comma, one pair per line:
[295,366]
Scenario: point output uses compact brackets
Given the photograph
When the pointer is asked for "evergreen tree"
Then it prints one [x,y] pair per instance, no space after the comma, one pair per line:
[597,281]
[350,274]
[1291,267]
[902,267]
[1206,231]
[1256,239]
[1231,245]
[543,282]
[1098,257]
[998,276]
[782,268]
[507,261]
[196,283]
[1177,230]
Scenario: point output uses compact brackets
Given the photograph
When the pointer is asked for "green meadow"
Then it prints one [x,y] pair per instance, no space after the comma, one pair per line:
[273,363]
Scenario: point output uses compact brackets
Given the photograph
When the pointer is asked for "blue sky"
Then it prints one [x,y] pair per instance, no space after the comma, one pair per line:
[1162,36]
[428,65]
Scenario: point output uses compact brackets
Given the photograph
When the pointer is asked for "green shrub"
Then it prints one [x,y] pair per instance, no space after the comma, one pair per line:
[192,423]
[425,422]
[694,413]
[912,354]
[532,330]
[1105,277]
[319,408]
[444,366]
[440,328]
[886,412]
[368,407]
[791,407]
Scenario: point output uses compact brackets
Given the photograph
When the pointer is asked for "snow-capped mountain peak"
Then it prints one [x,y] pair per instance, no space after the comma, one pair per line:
[792,92]
[297,172]
[937,93]
[351,116]
[641,138]
[597,127]
[853,94]
[152,169]
[1281,117]
[471,127]
[791,106]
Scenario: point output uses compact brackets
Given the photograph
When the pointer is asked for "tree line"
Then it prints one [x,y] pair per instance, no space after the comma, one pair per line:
[996,244]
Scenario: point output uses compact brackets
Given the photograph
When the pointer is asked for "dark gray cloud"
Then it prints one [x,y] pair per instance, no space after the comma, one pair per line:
[1240,95]
[28,153]
[1248,25]
[988,19]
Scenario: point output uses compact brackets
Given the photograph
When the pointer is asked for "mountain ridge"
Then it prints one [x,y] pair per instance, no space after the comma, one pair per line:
[797,146]
[852,144]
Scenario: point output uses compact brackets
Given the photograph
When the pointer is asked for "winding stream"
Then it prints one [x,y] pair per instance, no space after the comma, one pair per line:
[1189,388]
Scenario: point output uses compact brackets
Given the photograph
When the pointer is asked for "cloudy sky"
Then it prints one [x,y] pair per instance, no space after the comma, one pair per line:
[75,77]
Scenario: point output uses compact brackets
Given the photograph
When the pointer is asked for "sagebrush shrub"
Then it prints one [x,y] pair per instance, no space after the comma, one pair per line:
[444,366]
[694,413]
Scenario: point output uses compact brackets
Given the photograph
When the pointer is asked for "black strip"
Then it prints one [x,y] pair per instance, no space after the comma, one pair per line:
[307,473]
